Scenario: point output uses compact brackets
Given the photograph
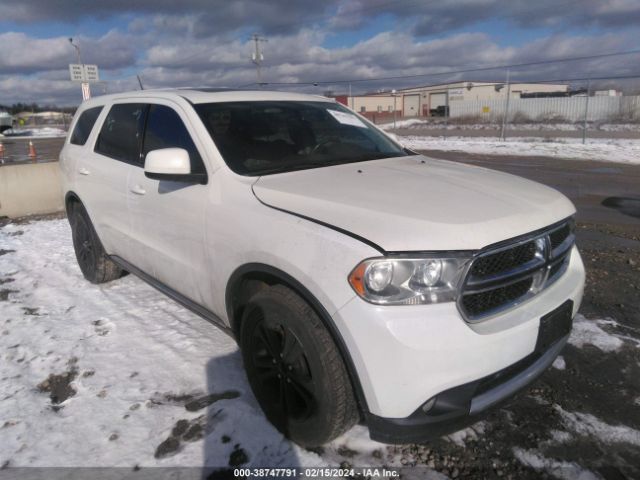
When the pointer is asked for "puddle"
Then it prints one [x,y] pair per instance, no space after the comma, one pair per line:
[625,205]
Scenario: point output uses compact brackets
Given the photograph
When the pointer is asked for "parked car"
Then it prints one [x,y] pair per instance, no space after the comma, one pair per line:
[362,281]
[6,121]
[440,111]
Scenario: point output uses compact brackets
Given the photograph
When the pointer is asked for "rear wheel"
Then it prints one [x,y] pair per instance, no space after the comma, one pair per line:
[94,263]
[295,369]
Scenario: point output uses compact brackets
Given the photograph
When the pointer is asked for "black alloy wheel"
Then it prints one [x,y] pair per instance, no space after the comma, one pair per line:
[283,371]
[295,369]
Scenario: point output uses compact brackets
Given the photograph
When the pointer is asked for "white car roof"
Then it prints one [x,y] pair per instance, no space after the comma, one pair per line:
[208,95]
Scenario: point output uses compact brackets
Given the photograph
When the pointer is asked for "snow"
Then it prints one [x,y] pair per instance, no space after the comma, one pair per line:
[467,434]
[587,331]
[559,436]
[588,425]
[418,123]
[407,123]
[559,469]
[559,363]
[614,150]
[135,353]
[45,132]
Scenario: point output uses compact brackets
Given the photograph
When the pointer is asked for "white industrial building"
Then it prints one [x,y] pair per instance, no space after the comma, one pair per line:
[434,99]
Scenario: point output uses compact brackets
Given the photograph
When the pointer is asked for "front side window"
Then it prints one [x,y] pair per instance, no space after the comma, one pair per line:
[84,125]
[165,129]
[121,131]
[258,138]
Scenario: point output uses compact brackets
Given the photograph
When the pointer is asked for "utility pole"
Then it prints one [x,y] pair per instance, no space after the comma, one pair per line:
[349,100]
[586,112]
[257,57]
[506,108]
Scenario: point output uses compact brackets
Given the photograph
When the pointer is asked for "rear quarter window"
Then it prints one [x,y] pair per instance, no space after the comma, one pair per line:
[84,125]
[120,135]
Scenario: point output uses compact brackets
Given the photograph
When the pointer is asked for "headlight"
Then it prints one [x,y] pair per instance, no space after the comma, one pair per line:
[409,281]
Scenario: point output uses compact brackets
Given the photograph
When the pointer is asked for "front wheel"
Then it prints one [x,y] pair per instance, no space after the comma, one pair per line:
[295,369]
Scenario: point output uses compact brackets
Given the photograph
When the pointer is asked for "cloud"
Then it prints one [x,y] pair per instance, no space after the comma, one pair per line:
[22,54]
[184,44]
[201,17]
[430,17]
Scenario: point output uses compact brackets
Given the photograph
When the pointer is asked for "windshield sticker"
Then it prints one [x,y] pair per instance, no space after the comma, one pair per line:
[346,118]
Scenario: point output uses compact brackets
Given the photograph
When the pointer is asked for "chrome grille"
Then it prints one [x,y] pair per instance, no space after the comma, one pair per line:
[503,276]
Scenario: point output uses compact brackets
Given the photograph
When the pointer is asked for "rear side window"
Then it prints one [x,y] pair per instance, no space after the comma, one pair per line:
[121,131]
[84,125]
[165,129]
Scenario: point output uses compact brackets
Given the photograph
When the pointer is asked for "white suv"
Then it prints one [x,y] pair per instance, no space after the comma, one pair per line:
[362,281]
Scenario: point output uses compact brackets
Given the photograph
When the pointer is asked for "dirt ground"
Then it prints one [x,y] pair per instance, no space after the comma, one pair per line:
[594,382]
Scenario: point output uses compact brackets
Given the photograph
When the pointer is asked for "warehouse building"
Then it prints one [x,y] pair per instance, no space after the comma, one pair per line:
[434,100]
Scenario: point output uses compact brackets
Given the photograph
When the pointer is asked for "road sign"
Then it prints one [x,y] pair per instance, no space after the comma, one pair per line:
[83,73]
[76,71]
[91,73]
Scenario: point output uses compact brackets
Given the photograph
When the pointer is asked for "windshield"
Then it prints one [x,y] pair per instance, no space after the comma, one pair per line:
[259,138]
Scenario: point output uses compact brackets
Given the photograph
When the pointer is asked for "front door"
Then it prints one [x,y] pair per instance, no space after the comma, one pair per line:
[167,217]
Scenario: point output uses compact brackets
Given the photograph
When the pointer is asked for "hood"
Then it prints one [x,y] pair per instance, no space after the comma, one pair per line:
[416,203]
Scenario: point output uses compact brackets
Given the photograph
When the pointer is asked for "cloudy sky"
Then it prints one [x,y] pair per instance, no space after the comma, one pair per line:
[208,42]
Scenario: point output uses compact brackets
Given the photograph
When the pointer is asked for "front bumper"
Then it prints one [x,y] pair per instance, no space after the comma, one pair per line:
[406,355]
[460,406]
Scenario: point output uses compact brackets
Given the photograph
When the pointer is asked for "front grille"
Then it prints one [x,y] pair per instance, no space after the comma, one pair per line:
[503,276]
[560,235]
[492,299]
[504,260]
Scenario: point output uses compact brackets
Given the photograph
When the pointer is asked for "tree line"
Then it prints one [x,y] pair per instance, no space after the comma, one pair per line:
[35,108]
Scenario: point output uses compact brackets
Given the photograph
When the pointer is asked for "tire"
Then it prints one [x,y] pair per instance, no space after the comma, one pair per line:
[94,263]
[295,369]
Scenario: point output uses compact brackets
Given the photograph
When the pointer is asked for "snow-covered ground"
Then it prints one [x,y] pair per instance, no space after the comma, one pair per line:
[614,150]
[120,375]
[421,123]
[137,362]
[43,132]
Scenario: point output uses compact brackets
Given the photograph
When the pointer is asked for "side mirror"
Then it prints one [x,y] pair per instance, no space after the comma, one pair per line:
[171,164]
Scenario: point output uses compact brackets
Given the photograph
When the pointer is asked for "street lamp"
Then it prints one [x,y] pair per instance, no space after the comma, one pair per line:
[77,49]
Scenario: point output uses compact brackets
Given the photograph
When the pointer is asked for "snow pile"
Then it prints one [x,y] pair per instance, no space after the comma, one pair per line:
[587,331]
[563,470]
[419,124]
[559,363]
[588,425]
[619,151]
[408,123]
[45,132]
[467,434]
[120,375]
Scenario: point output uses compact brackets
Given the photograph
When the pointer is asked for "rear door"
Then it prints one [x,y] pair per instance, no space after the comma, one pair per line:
[168,217]
[102,174]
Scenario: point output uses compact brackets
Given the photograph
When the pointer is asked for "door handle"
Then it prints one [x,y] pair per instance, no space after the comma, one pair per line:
[83,171]
[138,190]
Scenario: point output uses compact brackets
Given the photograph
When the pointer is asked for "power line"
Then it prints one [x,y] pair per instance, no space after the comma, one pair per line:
[453,72]
[490,84]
